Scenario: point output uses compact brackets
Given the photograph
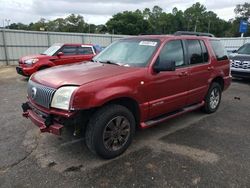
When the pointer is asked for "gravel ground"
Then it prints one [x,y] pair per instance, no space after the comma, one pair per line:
[193,150]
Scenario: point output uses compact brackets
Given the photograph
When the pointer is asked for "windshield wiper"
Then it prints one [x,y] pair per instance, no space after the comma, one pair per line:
[109,62]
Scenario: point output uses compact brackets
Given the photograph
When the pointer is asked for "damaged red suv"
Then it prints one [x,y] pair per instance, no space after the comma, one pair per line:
[57,54]
[134,83]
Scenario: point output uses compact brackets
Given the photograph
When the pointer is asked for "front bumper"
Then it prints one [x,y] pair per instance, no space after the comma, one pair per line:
[25,71]
[47,122]
[19,70]
[241,73]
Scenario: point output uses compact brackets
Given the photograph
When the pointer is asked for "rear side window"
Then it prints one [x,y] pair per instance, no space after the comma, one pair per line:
[69,50]
[195,54]
[85,50]
[219,50]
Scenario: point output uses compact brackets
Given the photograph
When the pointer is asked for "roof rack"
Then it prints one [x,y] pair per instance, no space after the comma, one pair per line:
[193,33]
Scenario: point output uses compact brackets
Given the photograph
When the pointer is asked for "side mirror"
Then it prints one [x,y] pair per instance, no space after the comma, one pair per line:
[59,54]
[165,66]
[234,51]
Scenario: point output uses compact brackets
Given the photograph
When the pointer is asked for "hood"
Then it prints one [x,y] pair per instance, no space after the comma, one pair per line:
[36,56]
[239,57]
[78,74]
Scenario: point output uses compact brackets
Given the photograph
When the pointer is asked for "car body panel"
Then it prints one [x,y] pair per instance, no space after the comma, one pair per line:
[46,61]
[155,93]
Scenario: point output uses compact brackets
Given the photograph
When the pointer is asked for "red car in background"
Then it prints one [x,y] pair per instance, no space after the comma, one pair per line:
[57,54]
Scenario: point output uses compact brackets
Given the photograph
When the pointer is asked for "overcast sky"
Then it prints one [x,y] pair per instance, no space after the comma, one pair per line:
[99,11]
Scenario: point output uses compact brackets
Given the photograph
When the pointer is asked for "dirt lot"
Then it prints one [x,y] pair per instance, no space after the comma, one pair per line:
[193,150]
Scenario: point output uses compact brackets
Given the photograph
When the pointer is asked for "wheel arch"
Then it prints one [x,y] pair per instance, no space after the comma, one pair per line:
[218,80]
[129,103]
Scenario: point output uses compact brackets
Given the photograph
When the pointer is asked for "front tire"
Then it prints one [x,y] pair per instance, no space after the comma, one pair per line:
[213,98]
[110,131]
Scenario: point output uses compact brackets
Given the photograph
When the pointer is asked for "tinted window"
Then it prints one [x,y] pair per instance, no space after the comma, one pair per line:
[194,52]
[69,50]
[245,49]
[204,51]
[85,50]
[172,51]
[219,50]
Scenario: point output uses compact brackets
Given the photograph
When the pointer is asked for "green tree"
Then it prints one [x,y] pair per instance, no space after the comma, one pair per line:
[128,22]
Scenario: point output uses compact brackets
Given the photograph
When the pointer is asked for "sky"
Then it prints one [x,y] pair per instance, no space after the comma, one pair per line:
[99,11]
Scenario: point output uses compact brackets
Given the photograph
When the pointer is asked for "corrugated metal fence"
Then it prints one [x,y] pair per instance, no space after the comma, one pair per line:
[16,43]
[234,43]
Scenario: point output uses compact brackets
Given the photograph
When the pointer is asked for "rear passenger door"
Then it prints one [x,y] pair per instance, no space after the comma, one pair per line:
[85,53]
[200,70]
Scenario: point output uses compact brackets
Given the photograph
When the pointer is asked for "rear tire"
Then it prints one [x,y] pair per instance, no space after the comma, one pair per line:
[110,131]
[213,98]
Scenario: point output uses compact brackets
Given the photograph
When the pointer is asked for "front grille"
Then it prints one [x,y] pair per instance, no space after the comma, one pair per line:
[240,64]
[40,94]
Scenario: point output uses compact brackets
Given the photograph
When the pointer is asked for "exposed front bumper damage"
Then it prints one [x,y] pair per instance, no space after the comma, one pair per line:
[46,122]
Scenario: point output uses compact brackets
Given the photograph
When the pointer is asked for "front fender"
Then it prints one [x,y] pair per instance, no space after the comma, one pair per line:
[87,100]
[103,96]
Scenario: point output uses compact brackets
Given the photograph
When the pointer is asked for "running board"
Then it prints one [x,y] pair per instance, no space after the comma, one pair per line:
[163,118]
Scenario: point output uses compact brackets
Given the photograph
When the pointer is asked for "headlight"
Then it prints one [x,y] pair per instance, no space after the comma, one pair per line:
[62,96]
[30,61]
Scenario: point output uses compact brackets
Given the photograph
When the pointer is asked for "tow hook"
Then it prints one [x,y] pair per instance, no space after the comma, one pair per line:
[25,107]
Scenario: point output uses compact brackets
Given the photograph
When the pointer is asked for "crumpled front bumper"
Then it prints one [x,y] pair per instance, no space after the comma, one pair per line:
[45,121]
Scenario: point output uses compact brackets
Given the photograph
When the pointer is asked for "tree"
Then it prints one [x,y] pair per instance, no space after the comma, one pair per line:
[128,22]
[243,10]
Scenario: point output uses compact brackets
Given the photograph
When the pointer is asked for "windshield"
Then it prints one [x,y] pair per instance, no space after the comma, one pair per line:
[52,50]
[128,52]
[245,49]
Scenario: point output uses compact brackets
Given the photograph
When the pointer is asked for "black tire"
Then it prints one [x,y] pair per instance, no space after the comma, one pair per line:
[209,107]
[100,122]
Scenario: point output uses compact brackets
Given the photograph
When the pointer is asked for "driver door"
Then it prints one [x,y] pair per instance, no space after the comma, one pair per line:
[69,55]
[169,88]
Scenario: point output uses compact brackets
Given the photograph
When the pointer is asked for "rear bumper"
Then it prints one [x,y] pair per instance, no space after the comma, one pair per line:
[44,121]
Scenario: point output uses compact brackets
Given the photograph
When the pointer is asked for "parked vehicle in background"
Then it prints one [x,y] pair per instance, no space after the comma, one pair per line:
[57,54]
[134,83]
[240,62]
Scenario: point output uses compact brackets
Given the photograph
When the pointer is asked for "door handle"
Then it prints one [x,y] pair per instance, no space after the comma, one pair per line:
[210,68]
[181,74]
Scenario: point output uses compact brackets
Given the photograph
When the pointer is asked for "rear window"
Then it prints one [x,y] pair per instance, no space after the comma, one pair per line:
[219,50]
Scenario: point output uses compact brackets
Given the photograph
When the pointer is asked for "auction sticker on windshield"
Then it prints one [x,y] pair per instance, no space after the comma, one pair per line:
[148,43]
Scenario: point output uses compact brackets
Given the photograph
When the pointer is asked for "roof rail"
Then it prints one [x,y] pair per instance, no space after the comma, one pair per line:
[193,33]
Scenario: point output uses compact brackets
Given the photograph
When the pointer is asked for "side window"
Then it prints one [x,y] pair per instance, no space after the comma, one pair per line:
[195,55]
[219,50]
[172,51]
[85,50]
[204,52]
[69,50]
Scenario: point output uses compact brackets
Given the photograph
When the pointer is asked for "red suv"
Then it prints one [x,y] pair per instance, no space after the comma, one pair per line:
[58,54]
[134,83]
